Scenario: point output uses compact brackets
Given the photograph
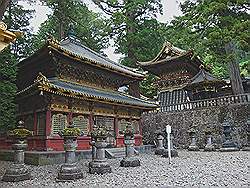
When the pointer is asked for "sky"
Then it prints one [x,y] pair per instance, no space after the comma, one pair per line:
[170,9]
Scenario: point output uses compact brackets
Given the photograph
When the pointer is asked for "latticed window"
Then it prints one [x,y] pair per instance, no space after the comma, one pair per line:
[107,122]
[41,123]
[82,123]
[59,122]
[29,122]
[122,125]
[136,126]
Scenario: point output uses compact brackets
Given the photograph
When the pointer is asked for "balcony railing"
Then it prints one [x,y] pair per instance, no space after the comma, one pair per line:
[220,101]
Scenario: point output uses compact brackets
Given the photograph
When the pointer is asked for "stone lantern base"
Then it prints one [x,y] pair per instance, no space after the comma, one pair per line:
[193,148]
[96,167]
[160,151]
[130,162]
[229,146]
[174,153]
[16,172]
[209,148]
[69,172]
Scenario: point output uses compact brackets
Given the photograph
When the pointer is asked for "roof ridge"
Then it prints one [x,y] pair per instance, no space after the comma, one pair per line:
[78,42]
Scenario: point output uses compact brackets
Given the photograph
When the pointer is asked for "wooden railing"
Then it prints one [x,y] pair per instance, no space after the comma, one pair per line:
[220,101]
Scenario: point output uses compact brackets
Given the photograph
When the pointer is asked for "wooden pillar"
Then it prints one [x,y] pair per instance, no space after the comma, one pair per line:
[91,121]
[48,123]
[140,133]
[116,128]
[35,123]
[69,116]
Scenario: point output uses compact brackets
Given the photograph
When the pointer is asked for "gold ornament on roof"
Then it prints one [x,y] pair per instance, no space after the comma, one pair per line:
[3,26]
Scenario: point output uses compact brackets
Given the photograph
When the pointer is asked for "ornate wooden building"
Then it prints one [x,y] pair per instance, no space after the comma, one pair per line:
[205,86]
[66,81]
[175,68]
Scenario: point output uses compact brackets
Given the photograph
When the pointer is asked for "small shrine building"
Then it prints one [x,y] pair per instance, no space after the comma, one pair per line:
[205,86]
[67,82]
[175,68]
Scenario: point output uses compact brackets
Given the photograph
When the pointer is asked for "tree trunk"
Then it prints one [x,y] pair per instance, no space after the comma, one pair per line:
[3,6]
[234,69]
[133,87]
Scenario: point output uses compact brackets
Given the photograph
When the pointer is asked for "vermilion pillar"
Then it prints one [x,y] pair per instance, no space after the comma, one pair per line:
[48,123]
[116,128]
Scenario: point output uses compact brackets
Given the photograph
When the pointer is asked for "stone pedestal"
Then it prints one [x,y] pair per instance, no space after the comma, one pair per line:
[174,152]
[99,165]
[93,150]
[193,146]
[160,149]
[129,160]
[228,144]
[247,147]
[209,146]
[69,170]
[17,171]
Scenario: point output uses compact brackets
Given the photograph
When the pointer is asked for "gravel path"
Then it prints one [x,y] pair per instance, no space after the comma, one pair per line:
[189,169]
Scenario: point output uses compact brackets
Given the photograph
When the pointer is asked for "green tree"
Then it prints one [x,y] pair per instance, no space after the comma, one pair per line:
[136,33]
[208,27]
[17,18]
[89,27]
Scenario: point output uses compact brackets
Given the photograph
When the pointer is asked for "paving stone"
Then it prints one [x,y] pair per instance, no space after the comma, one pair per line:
[198,169]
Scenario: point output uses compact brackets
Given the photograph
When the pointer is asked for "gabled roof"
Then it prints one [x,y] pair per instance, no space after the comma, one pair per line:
[74,48]
[168,53]
[74,90]
[204,77]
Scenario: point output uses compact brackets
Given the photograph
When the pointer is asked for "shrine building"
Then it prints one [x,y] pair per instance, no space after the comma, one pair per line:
[175,68]
[67,82]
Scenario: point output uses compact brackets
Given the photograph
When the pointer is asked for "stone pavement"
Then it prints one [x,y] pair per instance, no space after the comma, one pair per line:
[189,169]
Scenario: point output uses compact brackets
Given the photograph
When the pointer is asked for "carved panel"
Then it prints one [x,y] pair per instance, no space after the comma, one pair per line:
[81,122]
[59,122]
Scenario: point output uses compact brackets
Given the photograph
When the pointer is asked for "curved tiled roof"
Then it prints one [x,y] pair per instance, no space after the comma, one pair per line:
[72,46]
[69,89]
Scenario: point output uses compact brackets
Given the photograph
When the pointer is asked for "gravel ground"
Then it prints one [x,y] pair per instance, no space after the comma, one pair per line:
[202,169]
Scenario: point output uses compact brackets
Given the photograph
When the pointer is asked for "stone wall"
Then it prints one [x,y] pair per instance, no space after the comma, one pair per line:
[200,119]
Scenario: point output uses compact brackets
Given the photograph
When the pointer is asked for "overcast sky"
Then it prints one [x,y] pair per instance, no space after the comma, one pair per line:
[170,9]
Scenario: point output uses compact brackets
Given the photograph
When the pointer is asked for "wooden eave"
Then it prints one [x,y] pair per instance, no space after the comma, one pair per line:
[54,45]
[41,84]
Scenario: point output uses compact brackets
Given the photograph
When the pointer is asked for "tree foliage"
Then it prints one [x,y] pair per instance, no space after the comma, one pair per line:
[207,26]
[89,27]
[17,18]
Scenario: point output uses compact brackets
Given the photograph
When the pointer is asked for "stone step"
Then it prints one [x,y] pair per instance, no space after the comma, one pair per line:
[115,152]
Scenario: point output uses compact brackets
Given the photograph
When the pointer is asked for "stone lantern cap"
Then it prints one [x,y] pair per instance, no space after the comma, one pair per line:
[192,131]
[70,131]
[20,131]
[99,133]
[159,132]
[208,131]
[226,123]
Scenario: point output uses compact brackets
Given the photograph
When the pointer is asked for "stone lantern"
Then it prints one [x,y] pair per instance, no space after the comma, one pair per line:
[173,150]
[18,171]
[69,170]
[228,144]
[99,164]
[129,160]
[193,146]
[160,148]
[209,146]
[247,147]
